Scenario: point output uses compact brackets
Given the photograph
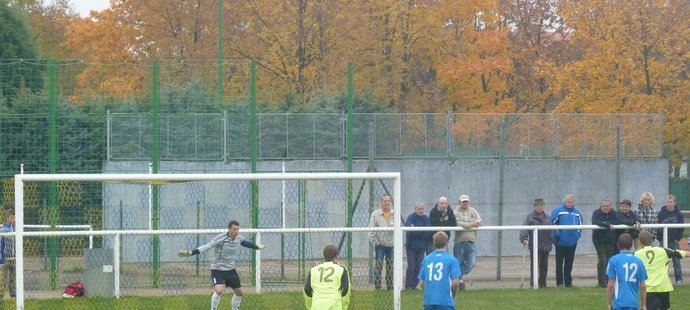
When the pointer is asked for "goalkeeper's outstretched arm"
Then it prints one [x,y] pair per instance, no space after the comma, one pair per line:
[187,253]
[217,239]
[248,244]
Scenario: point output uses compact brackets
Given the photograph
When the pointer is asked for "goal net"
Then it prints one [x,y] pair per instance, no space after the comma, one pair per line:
[139,222]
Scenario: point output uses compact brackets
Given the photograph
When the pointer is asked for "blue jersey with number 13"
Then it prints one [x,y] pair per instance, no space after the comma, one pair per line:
[438,270]
[628,271]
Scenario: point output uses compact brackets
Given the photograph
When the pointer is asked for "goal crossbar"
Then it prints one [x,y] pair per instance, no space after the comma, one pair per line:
[188,177]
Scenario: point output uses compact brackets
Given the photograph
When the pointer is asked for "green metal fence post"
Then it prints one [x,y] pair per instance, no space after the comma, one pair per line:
[198,237]
[220,53]
[302,268]
[53,207]
[618,164]
[350,155]
[155,165]
[449,135]
[372,203]
[253,134]
[501,183]
[121,227]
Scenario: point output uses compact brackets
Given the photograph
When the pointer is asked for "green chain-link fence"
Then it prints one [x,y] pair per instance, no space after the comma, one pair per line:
[80,117]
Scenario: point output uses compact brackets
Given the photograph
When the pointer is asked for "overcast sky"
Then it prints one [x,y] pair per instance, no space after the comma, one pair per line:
[83,7]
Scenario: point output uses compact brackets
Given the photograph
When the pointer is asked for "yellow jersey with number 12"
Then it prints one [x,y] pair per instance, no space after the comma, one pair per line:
[327,287]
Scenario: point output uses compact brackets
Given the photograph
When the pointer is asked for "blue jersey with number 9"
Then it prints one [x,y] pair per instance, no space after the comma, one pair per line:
[438,270]
[628,271]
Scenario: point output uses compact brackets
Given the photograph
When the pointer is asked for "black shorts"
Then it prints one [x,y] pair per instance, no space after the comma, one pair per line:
[658,300]
[228,277]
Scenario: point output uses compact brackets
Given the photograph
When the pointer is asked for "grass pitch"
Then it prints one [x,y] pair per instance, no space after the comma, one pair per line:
[549,298]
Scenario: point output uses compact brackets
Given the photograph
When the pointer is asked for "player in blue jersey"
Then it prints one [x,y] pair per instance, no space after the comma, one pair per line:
[627,276]
[440,276]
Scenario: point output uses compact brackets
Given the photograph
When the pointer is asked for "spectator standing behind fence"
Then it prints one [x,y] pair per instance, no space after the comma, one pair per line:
[417,244]
[440,276]
[656,260]
[669,214]
[441,215]
[8,271]
[538,217]
[604,239]
[465,249]
[627,278]
[383,241]
[328,284]
[646,212]
[566,214]
[627,217]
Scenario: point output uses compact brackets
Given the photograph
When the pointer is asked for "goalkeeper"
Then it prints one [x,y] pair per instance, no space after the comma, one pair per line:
[328,284]
[223,272]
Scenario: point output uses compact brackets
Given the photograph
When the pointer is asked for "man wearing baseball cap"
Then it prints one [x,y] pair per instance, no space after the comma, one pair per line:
[464,249]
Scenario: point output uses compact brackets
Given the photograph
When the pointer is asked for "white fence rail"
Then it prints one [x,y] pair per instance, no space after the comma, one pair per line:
[66,227]
[398,263]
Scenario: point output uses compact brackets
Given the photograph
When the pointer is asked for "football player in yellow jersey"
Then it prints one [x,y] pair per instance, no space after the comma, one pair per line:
[656,261]
[328,284]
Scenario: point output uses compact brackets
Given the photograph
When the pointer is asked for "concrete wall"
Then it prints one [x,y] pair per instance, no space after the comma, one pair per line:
[489,189]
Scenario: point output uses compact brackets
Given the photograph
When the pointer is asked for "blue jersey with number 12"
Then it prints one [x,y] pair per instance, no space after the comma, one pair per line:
[628,271]
[438,270]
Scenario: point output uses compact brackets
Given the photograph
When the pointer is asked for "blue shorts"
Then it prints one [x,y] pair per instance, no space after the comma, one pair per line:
[438,307]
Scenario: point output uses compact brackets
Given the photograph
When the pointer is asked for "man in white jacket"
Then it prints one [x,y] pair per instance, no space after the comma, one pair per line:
[383,241]
[464,249]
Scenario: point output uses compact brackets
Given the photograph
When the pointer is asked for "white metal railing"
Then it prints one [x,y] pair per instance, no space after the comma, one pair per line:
[87,227]
[398,271]
[117,239]
[535,235]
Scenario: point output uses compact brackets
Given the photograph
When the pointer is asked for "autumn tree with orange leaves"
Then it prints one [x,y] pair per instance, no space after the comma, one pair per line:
[508,56]
[635,58]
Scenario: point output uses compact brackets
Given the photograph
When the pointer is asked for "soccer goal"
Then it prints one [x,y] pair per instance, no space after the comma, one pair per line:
[143,220]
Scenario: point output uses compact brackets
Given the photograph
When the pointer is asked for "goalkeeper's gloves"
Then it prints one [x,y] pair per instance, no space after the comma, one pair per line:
[187,253]
[260,246]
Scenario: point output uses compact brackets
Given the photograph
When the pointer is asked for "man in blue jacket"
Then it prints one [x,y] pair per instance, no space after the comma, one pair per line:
[566,240]
[416,244]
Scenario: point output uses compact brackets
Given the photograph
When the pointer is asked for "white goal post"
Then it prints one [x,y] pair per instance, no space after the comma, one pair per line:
[20,179]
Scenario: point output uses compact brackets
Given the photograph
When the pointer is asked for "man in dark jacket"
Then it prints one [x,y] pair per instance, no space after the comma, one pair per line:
[538,217]
[566,240]
[441,215]
[669,214]
[626,216]
[604,239]
[416,245]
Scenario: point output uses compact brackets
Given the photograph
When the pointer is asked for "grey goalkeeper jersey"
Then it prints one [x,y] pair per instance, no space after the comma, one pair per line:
[225,250]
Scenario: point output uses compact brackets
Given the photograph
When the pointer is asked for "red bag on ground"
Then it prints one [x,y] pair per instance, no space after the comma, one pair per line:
[74,290]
